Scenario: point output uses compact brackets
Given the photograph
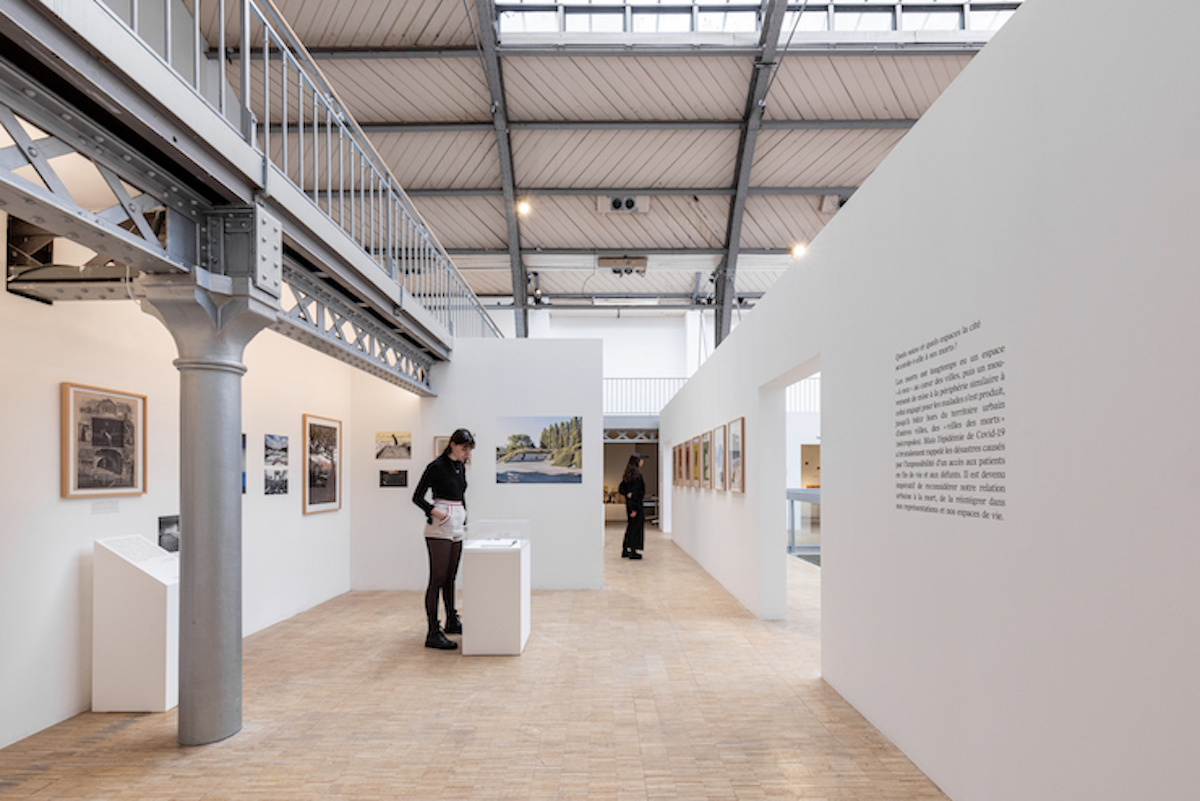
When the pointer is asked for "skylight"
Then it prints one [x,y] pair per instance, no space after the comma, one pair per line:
[683,19]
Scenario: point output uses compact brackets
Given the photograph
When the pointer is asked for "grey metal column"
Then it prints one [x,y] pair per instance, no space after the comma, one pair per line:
[212,316]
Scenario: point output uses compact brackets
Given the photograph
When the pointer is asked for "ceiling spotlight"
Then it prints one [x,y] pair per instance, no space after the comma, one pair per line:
[524,207]
[798,250]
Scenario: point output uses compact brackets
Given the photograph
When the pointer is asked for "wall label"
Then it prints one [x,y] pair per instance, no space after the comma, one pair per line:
[951,432]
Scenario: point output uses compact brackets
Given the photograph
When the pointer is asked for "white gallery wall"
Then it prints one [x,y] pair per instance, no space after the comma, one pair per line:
[290,561]
[489,379]
[1005,320]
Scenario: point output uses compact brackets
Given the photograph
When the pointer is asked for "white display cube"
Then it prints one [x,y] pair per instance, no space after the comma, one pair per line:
[135,626]
[495,596]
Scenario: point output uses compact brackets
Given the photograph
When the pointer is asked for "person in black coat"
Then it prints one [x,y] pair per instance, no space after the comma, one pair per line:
[633,488]
[445,524]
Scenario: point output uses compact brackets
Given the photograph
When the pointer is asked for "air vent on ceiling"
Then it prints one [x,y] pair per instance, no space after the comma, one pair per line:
[623,204]
[623,265]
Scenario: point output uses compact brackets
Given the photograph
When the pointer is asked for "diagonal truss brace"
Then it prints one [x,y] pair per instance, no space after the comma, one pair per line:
[38,173]
[325,321]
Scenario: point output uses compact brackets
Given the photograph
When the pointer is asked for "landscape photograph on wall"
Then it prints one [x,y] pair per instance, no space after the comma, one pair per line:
[540,450]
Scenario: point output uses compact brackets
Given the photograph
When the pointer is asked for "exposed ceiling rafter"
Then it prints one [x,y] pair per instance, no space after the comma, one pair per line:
[760,82]
[485,13]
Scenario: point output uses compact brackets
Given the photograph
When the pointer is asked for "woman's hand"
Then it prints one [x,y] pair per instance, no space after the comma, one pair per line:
[633,514]
[440,518]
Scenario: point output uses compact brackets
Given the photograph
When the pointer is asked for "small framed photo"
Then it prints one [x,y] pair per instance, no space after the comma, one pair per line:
[393,478]
[720,466]
[393,444]
[103,442]
[440,444]
[737,455]
[695,461]
[323,464]
[706,460]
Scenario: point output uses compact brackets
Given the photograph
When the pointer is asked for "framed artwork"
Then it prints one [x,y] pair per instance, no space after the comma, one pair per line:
[719,467]
[393,445]
[678,453]
[168,533]
[737,455]
[706,460]
[540,450]
[323,463]
[103,442]
[393,478]
[695,461]
[440,444]
[687,463]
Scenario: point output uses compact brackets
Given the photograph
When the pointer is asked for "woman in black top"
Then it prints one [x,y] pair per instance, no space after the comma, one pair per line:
[445,520]
[633,487]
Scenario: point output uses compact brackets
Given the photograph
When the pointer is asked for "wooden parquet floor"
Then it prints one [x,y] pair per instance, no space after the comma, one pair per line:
[659,686]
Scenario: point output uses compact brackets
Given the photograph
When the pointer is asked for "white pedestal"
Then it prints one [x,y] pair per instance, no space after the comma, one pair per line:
[135,626]
[495,597]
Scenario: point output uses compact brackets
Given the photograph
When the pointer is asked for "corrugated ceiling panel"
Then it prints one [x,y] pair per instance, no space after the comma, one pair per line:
[624,158]
[781,221]
[756,280]
[851,87]
[819,158]
[650,88]
[412,89]
[571,221]
[465,222]
[489,282]
[379,23]
[441,160]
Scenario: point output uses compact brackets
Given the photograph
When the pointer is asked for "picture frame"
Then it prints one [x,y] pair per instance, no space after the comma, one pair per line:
[440,443]
[322,484]
[706,460]
[696,461]
[103,442]
[687,463]
[720,462]
[737,455]
[393,444]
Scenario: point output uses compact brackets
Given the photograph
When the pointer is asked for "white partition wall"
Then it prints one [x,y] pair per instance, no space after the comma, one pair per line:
[494,379]
[1005,322]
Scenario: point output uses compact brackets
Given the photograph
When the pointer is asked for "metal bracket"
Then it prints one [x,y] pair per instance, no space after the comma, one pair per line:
[244,243]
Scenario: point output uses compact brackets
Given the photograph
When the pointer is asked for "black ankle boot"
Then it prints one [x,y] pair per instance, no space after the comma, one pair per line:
[453,624]
[438,640]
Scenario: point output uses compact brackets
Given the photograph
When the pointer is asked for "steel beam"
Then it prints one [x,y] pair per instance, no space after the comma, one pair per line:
[485,13]
[897,46]
[631,125]
[646,190]
[760,82]
[619,252]
[328,322]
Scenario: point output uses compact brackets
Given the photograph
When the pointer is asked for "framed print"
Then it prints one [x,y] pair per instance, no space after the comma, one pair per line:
[687,463]
[678,451]
[103,442]
[695,461]
[737,455]
[323,463]
[706,460]
[540,450]
[393,444]
[393,478]
[440,444]
[719,467]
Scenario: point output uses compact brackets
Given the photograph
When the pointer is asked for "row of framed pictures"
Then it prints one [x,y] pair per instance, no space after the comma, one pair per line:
[713,460]
[104,450]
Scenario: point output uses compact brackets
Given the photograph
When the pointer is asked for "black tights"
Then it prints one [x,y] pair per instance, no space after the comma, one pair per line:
[444,556]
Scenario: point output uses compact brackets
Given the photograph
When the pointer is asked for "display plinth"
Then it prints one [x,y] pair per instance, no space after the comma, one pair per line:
[495,596]
[135,626]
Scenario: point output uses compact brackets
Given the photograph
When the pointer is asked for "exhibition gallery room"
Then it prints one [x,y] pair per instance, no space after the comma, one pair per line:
[599,399]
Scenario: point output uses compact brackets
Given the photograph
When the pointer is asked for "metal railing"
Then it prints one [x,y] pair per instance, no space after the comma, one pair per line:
[282,104]
[639,395]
